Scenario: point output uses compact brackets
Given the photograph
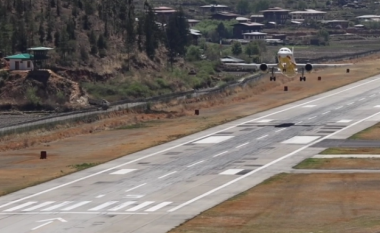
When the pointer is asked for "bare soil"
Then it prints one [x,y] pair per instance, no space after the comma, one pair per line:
[340,163]
[297,203]
[98,142]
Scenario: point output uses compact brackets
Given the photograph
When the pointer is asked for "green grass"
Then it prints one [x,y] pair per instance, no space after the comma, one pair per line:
[82,166]
[351,151]
[311,163]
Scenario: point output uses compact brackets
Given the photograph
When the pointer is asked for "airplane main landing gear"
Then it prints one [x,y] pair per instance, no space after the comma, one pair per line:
[302,79]
[272,77]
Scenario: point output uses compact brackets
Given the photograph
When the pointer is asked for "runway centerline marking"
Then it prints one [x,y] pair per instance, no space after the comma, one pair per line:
[242,145]
[312,117]
[167,175]
[362,99]
[299,122]
[266,165]
[187,142]
[220,154]
[339,107]
[350,103]
[326,112]
[196,163]
[138,186]
[280,130]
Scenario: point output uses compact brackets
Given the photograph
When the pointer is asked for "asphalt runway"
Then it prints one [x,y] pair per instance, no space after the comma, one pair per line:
[157,189]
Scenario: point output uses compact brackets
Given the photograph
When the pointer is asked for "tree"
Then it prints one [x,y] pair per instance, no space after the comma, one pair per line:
[151,33]
[222,31]
[260,5]
[193,53]
[252,49]
[236,48]
[242,7]
[102,44]
[130,29]
[177,32]
[41,33]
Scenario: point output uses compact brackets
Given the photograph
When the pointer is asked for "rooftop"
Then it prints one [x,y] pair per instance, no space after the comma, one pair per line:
[193,21]
[308,11]
[257,16]
[215,5]
[225,13]
[252,24]
[254,33]
[21,56]
[368,16]
[40,48]
[275,9]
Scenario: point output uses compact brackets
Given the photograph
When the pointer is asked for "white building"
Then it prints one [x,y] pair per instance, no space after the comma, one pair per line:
[254,36]
[21,61]
[307,14]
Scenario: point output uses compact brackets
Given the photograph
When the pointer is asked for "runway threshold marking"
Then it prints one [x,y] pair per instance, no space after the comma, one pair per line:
[181,144]
[266,165]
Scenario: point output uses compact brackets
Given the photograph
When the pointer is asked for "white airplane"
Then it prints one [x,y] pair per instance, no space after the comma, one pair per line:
[286,65]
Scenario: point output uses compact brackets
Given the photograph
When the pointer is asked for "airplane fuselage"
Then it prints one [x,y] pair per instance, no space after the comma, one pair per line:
[286,62]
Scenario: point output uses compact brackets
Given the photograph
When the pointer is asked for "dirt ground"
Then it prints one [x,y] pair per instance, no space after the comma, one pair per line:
[340,163]
[98,142]
[346,203]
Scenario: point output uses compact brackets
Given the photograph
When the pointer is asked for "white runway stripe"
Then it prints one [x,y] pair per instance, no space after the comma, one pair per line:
[76,205]
[159,206]
[57,206]
[122,171]
[116,208]
[21,206]
[39,206]
[142,205]
[104,205]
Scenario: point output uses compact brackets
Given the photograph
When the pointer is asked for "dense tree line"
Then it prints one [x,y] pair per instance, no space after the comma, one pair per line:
[57,23]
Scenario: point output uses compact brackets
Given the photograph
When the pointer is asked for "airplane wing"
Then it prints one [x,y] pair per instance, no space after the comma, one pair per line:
[250,65]
[324,65]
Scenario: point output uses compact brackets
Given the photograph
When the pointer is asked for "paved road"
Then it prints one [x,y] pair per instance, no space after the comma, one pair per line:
[157,189]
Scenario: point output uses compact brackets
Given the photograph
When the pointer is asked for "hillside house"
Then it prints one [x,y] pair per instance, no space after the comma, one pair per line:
[257,18]
[214,8]
[341,24]
[251,36]
[242,19]
[276,15]
[192,22]
[163,13]
[224,16]
[22,61]
[308,14]
[241,28]
[366,18]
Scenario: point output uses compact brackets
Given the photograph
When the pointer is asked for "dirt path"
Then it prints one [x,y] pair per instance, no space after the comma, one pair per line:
[71,145]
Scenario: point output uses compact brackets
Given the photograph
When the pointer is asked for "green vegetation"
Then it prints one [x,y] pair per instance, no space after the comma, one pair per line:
[82,166]
[351,151]
[312,163]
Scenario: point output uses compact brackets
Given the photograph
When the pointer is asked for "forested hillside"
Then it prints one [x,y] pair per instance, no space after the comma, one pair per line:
[83,32]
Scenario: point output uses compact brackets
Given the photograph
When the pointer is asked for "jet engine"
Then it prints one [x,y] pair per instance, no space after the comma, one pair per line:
[308,67]
[263,67]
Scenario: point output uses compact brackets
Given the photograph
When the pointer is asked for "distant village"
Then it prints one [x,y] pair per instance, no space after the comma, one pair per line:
[270,24]
[275,26]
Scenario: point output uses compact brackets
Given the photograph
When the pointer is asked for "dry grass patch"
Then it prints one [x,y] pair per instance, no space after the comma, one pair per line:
[371,133]
[295,203]
[339,163]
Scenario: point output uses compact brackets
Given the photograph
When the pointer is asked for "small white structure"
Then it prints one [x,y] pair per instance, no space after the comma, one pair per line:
[254,36]
[23,61]
[308,14]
